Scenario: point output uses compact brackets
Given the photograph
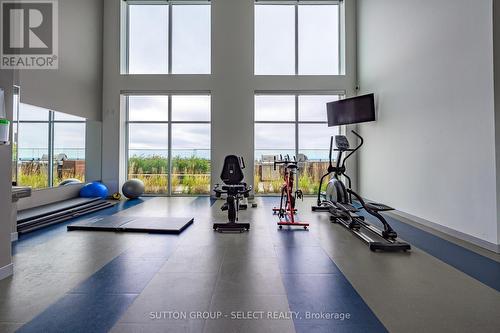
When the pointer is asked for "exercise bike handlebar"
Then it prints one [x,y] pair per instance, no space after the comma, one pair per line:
[286,161]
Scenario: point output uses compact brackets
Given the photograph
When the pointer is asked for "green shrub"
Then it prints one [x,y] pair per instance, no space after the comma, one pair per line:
[190,175]
[148,165]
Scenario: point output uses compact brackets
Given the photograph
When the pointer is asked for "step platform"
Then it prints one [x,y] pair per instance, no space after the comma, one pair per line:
[152,225]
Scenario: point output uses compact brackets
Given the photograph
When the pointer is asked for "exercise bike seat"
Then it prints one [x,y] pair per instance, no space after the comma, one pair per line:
[377,207]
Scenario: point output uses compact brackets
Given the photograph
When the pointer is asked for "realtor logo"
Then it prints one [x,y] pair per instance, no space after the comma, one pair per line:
[29,34]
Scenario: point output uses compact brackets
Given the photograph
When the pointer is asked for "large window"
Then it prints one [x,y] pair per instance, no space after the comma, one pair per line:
[49,146]
[169,143]
[293,125]
[297,37]
[166,37]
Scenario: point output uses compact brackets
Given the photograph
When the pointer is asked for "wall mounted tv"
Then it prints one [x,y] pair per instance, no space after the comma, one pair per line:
[353,110]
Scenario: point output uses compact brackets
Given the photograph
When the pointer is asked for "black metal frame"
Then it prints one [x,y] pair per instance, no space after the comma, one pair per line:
[234,192]
[288,197]
[345,213]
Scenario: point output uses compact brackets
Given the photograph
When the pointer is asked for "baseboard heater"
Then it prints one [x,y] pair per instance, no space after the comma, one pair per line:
[35,218]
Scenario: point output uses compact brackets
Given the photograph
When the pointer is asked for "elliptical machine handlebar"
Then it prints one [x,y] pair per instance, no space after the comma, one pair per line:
[352,151]
[331,150]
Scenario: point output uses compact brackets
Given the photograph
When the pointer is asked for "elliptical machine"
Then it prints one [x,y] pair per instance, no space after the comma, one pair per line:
[236,190]
[286,211]
[337,200]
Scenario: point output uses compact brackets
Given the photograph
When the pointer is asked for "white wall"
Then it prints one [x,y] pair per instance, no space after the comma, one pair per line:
[431,152]
[232,85]
[75,87]
[496,52]
[6,83]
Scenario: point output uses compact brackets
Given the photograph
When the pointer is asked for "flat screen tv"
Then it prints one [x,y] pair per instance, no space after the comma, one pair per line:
[354,110]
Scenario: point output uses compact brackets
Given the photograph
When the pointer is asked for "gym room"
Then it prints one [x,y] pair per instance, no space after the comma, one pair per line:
[249,166]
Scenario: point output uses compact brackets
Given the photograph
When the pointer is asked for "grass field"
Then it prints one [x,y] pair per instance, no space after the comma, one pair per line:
[35,174]
[308,181]
[189,175]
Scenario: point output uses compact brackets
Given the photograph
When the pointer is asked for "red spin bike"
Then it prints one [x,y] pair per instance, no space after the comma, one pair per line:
[286,212]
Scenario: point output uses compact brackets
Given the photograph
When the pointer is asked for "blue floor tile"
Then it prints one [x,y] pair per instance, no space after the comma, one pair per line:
[42,235]
[309,260]
[329,328]
[121,276]
[328,293]
[293,237]
[83,313]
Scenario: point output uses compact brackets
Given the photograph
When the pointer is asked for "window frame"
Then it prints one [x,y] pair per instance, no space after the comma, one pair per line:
[296,4]
[125,32]
[297,122]
[169,122]
[50,122]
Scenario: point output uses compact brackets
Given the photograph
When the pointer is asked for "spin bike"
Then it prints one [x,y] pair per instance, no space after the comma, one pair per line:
[286,211]
[337,200]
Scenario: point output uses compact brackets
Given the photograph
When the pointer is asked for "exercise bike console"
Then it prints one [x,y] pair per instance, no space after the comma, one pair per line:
[341,142]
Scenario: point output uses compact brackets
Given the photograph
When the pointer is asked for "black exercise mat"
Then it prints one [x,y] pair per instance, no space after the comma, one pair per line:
[74,211]
[32,225]
[157,225]
[37,212]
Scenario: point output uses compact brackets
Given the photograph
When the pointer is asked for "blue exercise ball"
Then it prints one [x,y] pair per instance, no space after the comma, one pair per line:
[94,190]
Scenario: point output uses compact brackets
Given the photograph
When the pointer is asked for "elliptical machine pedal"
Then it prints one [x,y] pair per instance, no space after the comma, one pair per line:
[338,201]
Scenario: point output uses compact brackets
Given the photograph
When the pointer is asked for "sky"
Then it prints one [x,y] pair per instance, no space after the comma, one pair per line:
[148,40]
[318,39]
[35,135]
[192,136]
[274,54]
[282,108]
[155,136]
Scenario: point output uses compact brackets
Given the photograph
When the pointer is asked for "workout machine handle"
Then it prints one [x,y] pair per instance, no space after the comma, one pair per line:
[359,137]
[331,150]
[355,149]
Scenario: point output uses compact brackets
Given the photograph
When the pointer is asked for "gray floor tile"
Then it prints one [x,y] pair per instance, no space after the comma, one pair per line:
[9,327]
[233,307]
[172,292]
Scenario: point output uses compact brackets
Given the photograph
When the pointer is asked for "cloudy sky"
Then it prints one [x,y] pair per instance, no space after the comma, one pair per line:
[274,54]
[36,135]
[148,41]
[318,42]
[155,108]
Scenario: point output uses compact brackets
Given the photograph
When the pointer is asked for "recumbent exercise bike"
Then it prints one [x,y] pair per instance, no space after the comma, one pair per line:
[236,190]
[337,200]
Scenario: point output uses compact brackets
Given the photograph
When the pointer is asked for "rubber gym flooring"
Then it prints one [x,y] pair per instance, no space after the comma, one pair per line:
[266,280]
